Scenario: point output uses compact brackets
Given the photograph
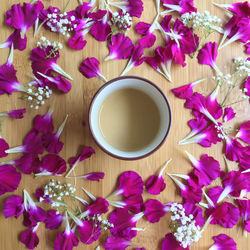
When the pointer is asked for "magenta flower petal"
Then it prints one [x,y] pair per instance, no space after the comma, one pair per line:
[207,169]
[32,143]
[240,9]
[77,42]
[229,114]
[100,30]
[234,150]
[154,210]
[52,165]
[214,193]
[86,153]
[85,230]
[247,86]
[23,17]
[113,243]
[146,30]
[147,41]
[15,39]
[170,242]
[134,203]
[99,206]
[130,183]
[244,132]
[223,242]
[244,206]
[155,185]
[247,45]
[226,214]
[9,179]
[28,163]
[133,7]
[181,6]
[29,238]
[44,123]
[13,206]
[53,220]
[17,114]
[84,8]
[41,197]
[185,91]
[123,224]
[90,68]
[3,146]
[191,208]
[66,240]
[94,176]
[120,47]
[207,55]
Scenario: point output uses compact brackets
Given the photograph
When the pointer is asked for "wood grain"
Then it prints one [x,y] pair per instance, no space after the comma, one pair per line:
[76,104]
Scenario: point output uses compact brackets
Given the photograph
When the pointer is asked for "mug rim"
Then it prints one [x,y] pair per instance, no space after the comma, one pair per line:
[90,111]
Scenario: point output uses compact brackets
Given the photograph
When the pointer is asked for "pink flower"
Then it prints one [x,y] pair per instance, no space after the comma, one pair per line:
[206,170]
[52,165]
[234,150]
[154,210]
[146,30]
[90,68]
[130,183]
[9,179]
[225,214]
[3,147]
[185,91]
[15,39]
[99,206]
[155,184]
[51,141]
[13,206]
[223,242]
[53,220]
[44,123]
[17,114]
[247,45]
[134,203]
[135,59]
[44,64]
[66,240]
[77,42]
[188,193]
[207,55]
[133,7]
[8,80]
[191,208]
[124,223]
[32,144]
[113,243]
[170,242]
[236,29]
[100,30]
[29,237]
[244,206]
[120,47]
[32,213]
[94,176]
[86,153]
[244,132]
[28,163]
[234,182]
[23,17]
[228,114]
[181,6]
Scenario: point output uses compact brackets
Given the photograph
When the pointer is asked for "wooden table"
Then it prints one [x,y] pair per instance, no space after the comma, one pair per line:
[76,104]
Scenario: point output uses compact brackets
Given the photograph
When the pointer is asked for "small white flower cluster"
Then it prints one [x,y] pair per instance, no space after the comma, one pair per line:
[100,222]
[185,230]
[122,21]
[55,47]
[57,190]
[37,95]
[61,23]
[242,66]
[220,132]
[201,20]
[221,79]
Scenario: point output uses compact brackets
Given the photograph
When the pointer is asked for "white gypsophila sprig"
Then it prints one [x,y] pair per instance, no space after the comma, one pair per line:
[99,222]
[205,21]
[121,21]
[44,43]
[242,66]
[183,226]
